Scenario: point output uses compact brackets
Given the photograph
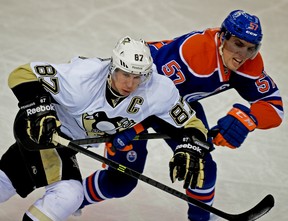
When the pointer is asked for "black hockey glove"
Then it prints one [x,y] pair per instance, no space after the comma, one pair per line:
[41,118]
[187,163]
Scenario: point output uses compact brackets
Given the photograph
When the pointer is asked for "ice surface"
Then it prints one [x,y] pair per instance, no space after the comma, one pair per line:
[56,31]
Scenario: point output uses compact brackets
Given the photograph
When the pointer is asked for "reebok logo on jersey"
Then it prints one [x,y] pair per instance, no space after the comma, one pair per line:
[39,109]
[190,146]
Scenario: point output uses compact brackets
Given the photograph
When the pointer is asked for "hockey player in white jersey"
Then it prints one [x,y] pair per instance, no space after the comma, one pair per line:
[92,97]
[154,97]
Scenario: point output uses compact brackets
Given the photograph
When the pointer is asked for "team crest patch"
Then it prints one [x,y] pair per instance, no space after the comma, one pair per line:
[131,156]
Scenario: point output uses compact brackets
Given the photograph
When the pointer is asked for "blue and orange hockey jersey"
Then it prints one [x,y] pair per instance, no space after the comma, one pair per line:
[193,62]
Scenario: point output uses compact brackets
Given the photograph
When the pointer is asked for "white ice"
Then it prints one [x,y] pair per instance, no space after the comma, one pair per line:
[55,31]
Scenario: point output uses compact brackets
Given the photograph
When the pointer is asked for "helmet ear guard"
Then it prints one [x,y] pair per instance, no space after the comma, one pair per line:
[132,56]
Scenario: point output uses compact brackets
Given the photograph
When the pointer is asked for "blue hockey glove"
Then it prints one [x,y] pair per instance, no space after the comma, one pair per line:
[234,127]
[187,163]
[122,140]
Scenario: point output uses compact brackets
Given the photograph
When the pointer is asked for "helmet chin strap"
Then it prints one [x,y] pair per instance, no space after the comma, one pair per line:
[256,52]
[109,85]
[221,49]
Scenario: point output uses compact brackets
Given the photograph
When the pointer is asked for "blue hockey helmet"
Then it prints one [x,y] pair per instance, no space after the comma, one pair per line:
[242,25]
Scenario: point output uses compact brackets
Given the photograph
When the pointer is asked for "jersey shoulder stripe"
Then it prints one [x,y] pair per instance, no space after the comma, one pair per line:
[199,52]
[21,75]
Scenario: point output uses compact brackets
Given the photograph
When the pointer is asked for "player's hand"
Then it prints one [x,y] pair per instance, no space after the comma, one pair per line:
[123,139]
[111,150]
[187,163]
[41,118]
[234,127]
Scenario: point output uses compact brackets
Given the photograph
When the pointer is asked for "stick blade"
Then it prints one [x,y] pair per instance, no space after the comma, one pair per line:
[263,207]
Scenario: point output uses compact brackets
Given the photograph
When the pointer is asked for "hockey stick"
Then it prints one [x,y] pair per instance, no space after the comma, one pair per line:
[144,136]
[256,212]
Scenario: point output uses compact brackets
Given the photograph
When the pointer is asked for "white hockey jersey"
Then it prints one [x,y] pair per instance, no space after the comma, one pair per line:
[79,88]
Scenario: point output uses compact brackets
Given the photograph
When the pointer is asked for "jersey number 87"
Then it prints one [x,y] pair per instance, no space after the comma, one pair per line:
[181,112]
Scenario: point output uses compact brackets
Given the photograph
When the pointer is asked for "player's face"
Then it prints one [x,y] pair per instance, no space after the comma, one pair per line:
[125,83]
[236,51]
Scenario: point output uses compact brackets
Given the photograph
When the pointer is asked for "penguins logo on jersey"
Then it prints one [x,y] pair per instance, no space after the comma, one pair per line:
[98,124]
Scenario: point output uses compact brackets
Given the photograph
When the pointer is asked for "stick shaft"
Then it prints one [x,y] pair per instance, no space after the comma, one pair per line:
[256,212]
[144,136]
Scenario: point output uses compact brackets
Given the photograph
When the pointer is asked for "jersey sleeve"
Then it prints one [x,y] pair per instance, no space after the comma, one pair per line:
[264,96]
[22,74]
[22,80]
[268,112]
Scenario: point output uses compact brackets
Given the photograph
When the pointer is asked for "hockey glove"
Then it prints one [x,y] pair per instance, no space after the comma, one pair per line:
[122,140]
[187,163]
[41,118]
[234,127]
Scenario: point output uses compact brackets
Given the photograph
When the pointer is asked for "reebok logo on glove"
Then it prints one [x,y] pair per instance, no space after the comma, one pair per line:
[39,109]
[190,146]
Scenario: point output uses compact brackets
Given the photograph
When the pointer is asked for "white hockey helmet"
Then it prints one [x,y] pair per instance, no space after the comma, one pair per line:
[132,56]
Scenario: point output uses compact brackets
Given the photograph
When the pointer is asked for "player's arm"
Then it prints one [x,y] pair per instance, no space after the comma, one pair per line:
[265,111]
[269,113]
[265,99]
[35,102]
[187,163]
[180,115]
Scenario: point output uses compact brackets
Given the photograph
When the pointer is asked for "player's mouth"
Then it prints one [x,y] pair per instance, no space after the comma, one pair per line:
[237,62]
[126,92]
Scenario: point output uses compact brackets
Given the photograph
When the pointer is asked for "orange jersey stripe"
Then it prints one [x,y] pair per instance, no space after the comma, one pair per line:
[265,114]
[159,44]
[198,52]
[208,197]
[91,190]
[139,128]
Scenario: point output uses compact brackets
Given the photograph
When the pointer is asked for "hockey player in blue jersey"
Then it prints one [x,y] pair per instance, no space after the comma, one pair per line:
[204,63]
